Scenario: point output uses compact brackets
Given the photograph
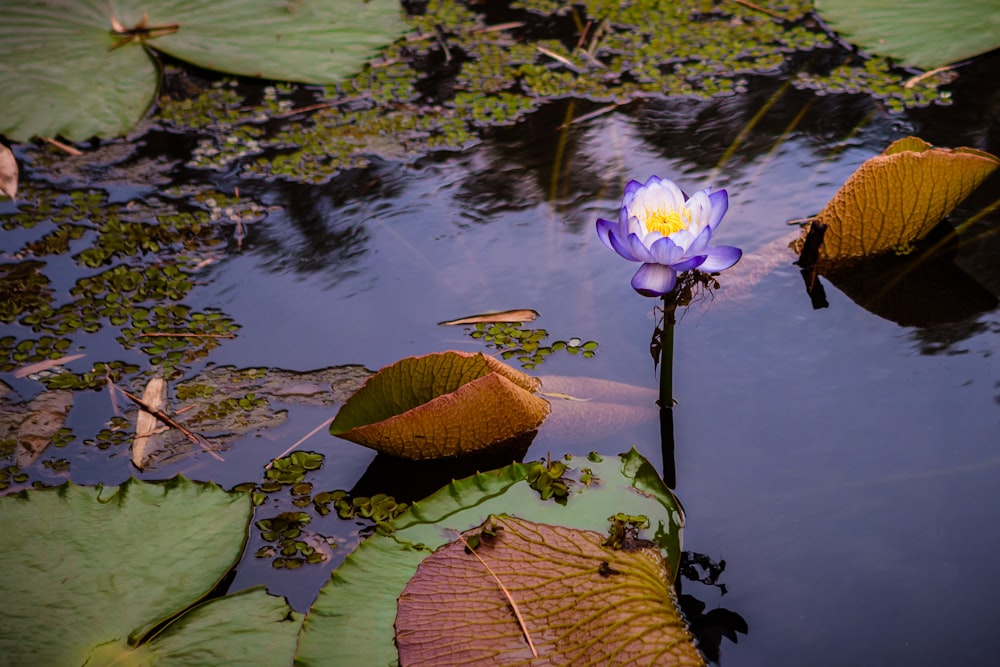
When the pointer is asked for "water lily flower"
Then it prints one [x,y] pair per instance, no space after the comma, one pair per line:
[668,232]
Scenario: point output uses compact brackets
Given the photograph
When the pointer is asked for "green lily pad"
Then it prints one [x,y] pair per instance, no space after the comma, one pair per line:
[354,613]
[114,563]
[410,409]
[919,33]
[576,600]
[78,68]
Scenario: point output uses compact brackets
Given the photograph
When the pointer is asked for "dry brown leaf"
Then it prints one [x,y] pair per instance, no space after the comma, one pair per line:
[488,318]
[897,197]
[47,414]
[146,424]
[8,172]
[25,371]
[579,601]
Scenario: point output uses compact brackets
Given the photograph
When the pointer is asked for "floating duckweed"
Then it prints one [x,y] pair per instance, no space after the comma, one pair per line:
[117,432]
[56,465]
[62,437]
[228,407]
[292,469]
[548,480]
[624,531]
[380,509]
[500,109]
[401,108]
[24,287]
[187,391]
[513,341]
[878,78]
[284,531]
[10,475]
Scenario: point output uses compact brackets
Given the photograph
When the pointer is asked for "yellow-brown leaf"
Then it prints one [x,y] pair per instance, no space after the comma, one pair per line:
[897,197]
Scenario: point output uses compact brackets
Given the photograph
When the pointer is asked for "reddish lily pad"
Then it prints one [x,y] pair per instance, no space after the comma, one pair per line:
[531,593]
[352,618]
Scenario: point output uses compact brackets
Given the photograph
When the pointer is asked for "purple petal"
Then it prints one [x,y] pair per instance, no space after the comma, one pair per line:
[632,226]
[639,249]
[689,263]
[683,239]
[654,280]
[622,247]
[623,216]
[720,204]
[720,258]
[700,245]
[604,228]
[631,188]
[665,251]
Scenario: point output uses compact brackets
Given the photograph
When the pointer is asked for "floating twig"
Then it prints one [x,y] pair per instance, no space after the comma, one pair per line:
[61,146]
[298,442]
[910,83]
[169,421]
[555,56]
[758,8]
[498,27]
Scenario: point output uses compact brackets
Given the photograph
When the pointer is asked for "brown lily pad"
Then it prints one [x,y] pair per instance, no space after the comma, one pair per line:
[537,594]
[440,405]
[896,198]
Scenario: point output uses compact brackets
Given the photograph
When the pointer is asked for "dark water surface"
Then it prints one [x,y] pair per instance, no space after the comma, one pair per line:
[843,465]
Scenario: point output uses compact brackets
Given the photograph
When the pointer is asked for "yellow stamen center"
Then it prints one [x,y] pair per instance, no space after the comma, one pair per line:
[666,220]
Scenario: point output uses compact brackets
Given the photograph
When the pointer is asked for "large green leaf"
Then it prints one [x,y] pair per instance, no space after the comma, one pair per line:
[513,591]
[65,71]
[59,75]
[354,613]
[441,404]
[89,571]
[920,33]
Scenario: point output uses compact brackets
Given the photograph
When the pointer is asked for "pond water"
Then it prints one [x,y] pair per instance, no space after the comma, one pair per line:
[843,465]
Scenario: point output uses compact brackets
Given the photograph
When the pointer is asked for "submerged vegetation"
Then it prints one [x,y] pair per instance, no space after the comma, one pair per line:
[462,72]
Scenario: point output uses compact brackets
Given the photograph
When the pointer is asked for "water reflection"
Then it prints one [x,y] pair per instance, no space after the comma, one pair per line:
[923,289]
[712,626]
[323,229]
[543,158]
[742,130]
